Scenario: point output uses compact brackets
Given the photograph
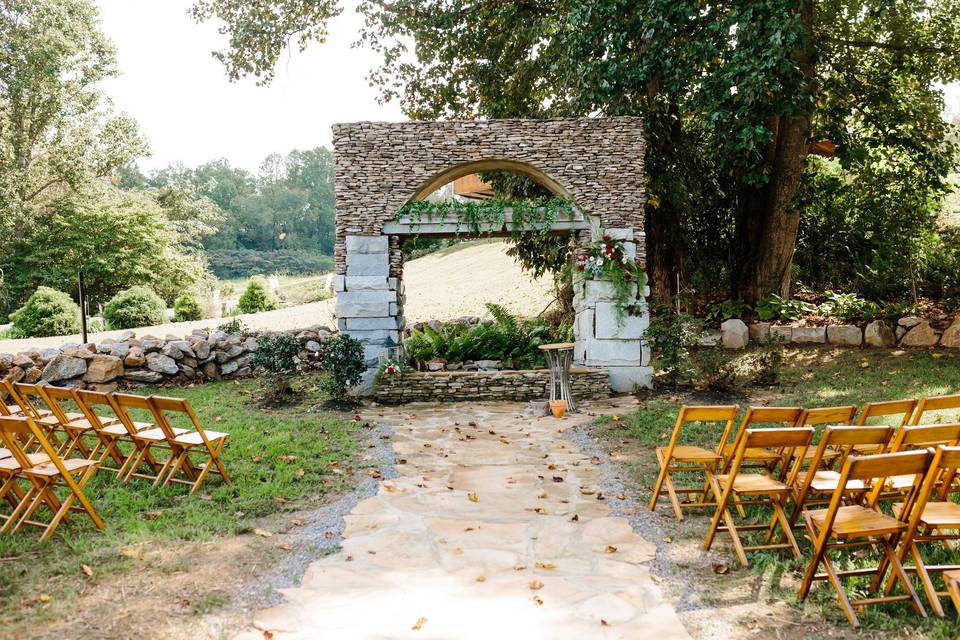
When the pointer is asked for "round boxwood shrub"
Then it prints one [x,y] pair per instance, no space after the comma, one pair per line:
[134,307]
[257,297]
[47,312]
[187,307]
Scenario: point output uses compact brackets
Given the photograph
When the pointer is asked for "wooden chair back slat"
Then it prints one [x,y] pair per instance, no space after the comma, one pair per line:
[935,403]
[130,401]
[829,415]
[844,436]
[709,413]
[884,465]
[903,408]
[775,438]
[29,395]
[765,415]
[926,435]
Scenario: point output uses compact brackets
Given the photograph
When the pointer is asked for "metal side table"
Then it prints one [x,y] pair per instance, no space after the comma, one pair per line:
[559,355]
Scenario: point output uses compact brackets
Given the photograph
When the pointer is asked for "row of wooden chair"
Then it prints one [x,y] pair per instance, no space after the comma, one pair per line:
[41,432]
[915,466]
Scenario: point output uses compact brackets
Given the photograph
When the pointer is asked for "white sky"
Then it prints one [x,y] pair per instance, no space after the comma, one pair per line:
[191,113]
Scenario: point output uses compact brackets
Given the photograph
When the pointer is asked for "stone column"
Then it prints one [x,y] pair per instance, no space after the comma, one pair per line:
[600,341]
[369,300]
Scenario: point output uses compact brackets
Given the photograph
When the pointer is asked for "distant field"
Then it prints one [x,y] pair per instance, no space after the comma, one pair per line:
[448,284]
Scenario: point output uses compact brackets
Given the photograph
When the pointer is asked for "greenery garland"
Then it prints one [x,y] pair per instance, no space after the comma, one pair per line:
[486,216]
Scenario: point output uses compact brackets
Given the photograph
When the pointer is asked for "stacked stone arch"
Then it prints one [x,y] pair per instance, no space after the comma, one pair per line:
[597,163]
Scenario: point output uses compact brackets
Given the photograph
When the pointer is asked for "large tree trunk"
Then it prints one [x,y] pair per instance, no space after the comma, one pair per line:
[767,218]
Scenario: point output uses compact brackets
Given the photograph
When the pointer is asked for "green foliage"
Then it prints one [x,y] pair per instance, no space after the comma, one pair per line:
[513,341]
[726,310]
[234,327]
[487,216]
[341,357]
[243,263]
[47,312]
[187,307]
[118,238]
[607,260]
[848,306]
[670,337]
[135,307]
[257,297]
[276,358]
[773,307]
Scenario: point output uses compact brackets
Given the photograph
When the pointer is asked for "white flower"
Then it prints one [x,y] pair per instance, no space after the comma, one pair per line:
[734,90]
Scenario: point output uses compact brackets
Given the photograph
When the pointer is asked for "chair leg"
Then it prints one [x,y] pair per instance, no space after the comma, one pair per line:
[841,594]
[220,465]
[902,576]
[176,468]
[814,561]
[932,596]
[658,485]
[785,525]
[673,498]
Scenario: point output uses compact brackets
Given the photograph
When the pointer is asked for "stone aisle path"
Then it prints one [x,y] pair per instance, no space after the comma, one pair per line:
[494,530]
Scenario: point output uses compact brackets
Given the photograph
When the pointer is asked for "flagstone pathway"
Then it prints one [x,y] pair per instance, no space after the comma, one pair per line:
[494,530]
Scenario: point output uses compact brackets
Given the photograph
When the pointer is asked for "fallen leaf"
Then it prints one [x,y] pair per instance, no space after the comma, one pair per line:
[267,635]
[575,518]
[546,565]
[594,460]
[667,539]
[610,549]
[43,597]
[458,551]
[419,624]
[604,623]
[328,535]
[481,578]
[537,600]
[284,546]
[299,472]
[297,522]
[287,459]
[349,558]
[474,497]
[262,533]
[557,479]
[152,515]
[131,552]
[536,584]
[720,569]
[87,570]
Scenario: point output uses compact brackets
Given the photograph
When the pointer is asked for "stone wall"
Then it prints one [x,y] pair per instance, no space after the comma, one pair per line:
[131,360]
[597,162]
[909,331]
[454,386]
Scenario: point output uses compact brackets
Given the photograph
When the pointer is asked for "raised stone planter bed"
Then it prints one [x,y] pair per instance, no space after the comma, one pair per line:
[453,386]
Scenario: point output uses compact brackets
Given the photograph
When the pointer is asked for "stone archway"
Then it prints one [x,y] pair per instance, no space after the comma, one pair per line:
[380,166]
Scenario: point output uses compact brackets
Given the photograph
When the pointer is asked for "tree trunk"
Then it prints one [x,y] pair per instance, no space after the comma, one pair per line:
[767,218]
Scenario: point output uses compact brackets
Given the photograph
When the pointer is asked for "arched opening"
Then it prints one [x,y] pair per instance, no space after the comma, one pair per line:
[486,166]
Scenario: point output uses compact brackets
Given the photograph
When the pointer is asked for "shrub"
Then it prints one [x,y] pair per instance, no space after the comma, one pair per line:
[276,357]
[671,337]
[187,307]
[342,358]
[257,297]
[134,307]
[716,371]
[47,312]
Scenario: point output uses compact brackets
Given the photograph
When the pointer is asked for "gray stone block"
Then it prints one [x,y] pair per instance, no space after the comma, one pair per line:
[781,334]
[734,334]
[339,283]
[879,334]
[809,335]
[367,244]
[355,297]
[368,264]
[614,352]
[845,334]
[363,309]
[375,337]
[760,332]
[624,233]
[371,324]
[367,283]
[606,326]
[627,379]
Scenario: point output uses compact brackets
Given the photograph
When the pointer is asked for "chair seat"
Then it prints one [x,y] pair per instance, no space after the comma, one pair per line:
[11,464]
[953,576]
[828,481]
[51,420]
[14,409]
[5,453]
[750,483]
[855,521]
[937,514]
[765,455]
[71,465]
[194,438]
[683,453]
[157,434]
[83,423]
[117,428]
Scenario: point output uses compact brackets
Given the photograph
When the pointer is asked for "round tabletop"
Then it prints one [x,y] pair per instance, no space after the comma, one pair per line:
[557,346]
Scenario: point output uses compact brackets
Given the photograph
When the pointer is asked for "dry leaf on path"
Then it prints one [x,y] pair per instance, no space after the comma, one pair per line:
[537,600]
[720,569]
[87,570]
[419,624]
[535,584]
[610,549]
[262,533]
[284,546]
[546,565]
[474,497]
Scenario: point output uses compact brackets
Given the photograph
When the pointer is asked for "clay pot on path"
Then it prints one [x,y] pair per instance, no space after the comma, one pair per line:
[558,408]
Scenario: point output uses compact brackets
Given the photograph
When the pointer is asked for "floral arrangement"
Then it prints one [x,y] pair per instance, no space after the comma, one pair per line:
[391,368]
[607,260]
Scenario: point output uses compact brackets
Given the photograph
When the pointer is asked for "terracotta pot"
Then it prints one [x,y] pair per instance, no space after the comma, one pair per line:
[558,408]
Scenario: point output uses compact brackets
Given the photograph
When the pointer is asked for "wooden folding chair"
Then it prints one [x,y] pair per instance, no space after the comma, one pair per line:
[45,478]
[148,438]
[754,417]
[854,526]
[952,578]
[921,436]
[927,523]
[109,429]
[75,425]
[937,403]
[681,458]
[838,416]
[759,488]
[34,406]
[811,485]
[12,404]
[208,444]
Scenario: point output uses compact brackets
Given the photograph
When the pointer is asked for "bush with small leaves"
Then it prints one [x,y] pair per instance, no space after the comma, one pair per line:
[670,336]
[342,358]
[187,307]
[47,312]
[257,297]
[276,358]
[134,307]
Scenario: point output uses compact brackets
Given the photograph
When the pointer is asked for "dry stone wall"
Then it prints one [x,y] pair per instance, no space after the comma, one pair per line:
[130,360]
[908,331]
[454,386]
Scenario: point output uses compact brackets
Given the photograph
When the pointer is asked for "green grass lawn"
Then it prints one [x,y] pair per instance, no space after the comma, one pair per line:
[279,459]
[809,378]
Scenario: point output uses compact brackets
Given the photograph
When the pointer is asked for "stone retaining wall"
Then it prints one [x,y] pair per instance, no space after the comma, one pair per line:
[906,332]
[130,360]
[453,386]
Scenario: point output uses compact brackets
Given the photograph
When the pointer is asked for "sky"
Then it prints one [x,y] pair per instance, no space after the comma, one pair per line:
[191,113]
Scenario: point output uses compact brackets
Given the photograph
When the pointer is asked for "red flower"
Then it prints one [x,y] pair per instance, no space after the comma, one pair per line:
[579,267]
[606,238]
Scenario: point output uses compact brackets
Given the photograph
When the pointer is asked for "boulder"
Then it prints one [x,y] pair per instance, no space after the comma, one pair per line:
[436,365]
[150,345]
[142,375]
[250,344]
[879,334]
[171,351]
[908,322]
[312,346]
[845,334]
[710,338]
[243,372]
[47,354]
[189,362]
[120,349]
[921,335]
[760,332]
[22,360]
[229,367]
[201,349]
[951,337]
[6,361]
[161,363]
[135,358]
[32,375]
[188,372]
[182,346]
[734,334]
[488,365]
[126,335]
[210,370]
[63,367]
[14,374]
[809,335]
[103,368]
